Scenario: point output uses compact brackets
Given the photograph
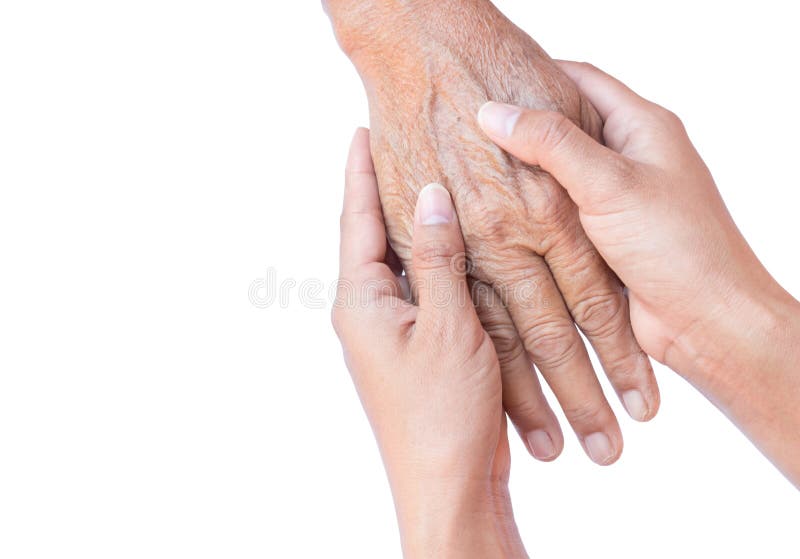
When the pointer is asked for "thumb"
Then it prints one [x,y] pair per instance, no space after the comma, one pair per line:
[592,174]
[438,257]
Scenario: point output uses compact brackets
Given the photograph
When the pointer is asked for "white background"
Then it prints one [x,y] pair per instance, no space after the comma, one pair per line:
[157,157]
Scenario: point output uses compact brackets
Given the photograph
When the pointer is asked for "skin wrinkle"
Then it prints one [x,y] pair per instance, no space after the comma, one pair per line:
[427,71]
[476,176]
[697,293]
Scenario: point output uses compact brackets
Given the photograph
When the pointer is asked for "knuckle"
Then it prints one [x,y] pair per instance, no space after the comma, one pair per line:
[498,324]
[475,345]
[623,369]
[492,225]
[506,342]
[480,345]
[436,254]
[551,344]
[653,116]
[668,117]
[519,284]
[551,203]
[525,410]
[618,182]
[558,219]
[586,65]
[552,131]
[586,414]
[599,315]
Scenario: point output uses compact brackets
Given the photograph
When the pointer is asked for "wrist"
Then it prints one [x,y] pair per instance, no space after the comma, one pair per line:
[391,29]
[746,363]
[724,352]
[464,519]
[374,24]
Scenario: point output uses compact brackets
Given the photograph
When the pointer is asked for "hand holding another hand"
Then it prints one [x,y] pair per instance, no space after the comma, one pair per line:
[700,300]
[649,205]
[427,68]
[427,374]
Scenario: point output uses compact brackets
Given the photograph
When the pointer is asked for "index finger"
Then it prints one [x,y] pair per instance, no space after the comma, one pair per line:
[363,230]
[364,276]
[605,92]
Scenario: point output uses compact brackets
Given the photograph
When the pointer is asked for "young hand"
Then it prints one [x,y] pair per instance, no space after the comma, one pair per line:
[700,300]
[427,374]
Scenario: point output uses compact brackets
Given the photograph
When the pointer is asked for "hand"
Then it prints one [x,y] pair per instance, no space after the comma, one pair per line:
[700,300]
[428,375]
[647,202]
[427,67]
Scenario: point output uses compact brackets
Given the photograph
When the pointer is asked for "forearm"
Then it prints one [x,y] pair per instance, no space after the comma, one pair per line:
[395,30]
[366,23]
[355,12]
[747,362]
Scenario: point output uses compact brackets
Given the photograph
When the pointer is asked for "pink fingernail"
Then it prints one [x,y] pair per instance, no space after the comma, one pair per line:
[541,445]
[498,119]
[599,448]
[635,404]
[434,206]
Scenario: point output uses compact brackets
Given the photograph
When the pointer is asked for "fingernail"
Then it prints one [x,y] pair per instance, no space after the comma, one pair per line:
[541,445]
[598,446]
[499,120]
[635,404]
[434,205]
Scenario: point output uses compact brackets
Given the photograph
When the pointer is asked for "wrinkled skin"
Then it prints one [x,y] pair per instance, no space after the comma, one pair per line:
[427,68]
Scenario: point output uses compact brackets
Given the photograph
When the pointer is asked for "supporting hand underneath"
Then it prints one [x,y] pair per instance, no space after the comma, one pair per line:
[427,374]
[700,300]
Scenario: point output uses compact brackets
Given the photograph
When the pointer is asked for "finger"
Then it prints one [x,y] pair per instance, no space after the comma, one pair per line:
[597,178]
[595,299]
[363,233]
[523,398]
[364,279]
[362,227]
[553,344]
[605,92]
[633,125]
[438,258]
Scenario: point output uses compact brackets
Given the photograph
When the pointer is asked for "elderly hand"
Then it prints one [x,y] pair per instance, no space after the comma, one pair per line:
[428,67]
[427,374]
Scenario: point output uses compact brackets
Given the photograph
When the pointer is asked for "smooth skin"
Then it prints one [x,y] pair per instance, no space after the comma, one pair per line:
[700,302]
[427,374]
